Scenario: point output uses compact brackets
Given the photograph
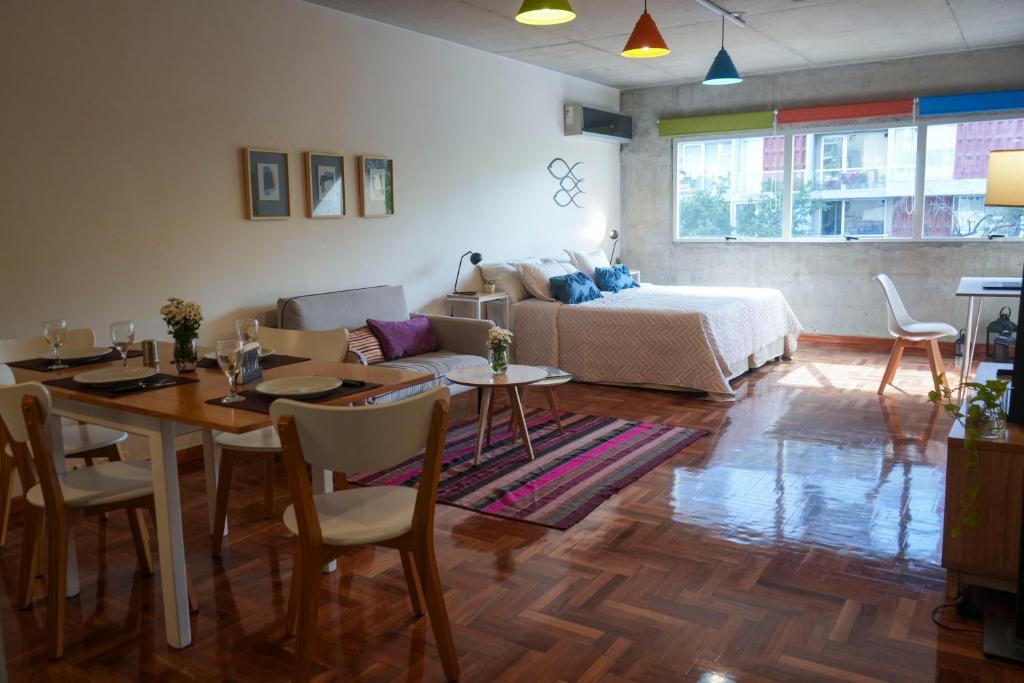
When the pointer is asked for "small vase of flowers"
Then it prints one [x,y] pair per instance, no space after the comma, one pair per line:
[498,342]
[183,319]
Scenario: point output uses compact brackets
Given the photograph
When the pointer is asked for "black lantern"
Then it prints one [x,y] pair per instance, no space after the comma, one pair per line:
[1001,325]
[958,347]
[1002,346]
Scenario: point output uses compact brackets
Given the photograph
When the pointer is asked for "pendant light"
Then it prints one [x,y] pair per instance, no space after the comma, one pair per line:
[645,41]
[545,12]
[722,71]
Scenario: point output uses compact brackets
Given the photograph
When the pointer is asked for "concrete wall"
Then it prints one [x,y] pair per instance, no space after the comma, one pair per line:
[123,122]
[828,285]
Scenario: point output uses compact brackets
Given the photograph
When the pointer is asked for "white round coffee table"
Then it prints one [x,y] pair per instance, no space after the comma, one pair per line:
[482,378]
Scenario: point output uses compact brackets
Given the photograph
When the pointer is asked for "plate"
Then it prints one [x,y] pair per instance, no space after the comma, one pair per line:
[79,355]
[298,387]
[212,355]
[115,375]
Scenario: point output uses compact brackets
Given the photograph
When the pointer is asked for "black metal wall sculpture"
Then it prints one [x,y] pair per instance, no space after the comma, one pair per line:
[569,184]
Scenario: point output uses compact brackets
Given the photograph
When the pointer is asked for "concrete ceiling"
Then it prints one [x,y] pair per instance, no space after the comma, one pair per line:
[780,35]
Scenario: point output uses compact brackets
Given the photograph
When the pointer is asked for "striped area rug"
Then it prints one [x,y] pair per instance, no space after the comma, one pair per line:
[572,474]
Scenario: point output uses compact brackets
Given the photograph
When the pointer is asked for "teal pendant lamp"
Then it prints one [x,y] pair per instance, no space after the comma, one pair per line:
[722,71]
[545,12]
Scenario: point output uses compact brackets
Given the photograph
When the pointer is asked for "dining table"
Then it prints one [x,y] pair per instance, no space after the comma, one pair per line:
[162,414]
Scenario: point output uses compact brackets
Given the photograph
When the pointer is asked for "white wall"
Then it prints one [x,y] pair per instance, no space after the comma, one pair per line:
[123,122]
[829,285]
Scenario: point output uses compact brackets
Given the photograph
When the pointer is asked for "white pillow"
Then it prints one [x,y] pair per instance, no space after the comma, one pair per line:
[536,275]
[587,262]
[506,279]
[562,263]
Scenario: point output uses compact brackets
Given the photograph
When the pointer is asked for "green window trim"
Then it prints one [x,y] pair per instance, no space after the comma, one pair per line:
[716,123]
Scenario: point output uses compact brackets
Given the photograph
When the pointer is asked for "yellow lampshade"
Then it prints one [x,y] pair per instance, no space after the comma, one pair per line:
[1005,178]
[646,40]
[545,12]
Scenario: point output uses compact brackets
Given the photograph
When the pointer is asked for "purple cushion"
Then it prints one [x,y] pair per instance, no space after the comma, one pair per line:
[404,338]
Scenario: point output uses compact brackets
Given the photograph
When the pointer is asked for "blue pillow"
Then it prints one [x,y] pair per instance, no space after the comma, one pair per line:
[614,279]
[574,288]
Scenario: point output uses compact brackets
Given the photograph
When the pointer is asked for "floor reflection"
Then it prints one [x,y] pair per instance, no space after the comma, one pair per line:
[845,470]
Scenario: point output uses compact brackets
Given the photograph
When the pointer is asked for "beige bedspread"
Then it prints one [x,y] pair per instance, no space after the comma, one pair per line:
[683,337]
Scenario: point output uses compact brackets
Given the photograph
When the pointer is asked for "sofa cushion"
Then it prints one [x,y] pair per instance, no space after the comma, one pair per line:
[348,308]
[437,363]
[363,341]
[404,338]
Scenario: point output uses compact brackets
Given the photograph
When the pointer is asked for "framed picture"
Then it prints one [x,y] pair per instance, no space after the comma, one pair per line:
[266,184]
[325,185]
[376,186]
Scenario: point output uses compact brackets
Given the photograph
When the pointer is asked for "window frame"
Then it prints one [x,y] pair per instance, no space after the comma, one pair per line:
[788,132]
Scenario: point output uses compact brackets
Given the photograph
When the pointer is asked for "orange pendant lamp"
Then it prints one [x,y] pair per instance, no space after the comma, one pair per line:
[645,41]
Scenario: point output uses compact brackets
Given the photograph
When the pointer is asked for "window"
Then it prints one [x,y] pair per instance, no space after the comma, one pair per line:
[955,174]
[730,187]
[857,183]
[854,184]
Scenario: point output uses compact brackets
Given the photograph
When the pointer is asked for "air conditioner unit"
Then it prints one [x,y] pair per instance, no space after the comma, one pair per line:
[610,125]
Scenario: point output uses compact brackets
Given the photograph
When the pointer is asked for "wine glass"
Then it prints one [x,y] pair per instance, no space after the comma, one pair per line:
[247,329]
[122,336]
[229,358]
[55,332]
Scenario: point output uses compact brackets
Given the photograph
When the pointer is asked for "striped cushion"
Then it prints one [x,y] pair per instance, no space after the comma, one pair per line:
[438,364]
[363,340]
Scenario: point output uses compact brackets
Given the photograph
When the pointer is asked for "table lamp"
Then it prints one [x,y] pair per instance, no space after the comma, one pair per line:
[1004,635]
[613,235]
[474,258]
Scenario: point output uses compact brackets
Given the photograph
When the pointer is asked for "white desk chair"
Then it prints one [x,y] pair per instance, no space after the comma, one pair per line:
[347,440]
[80,440]
[910,333]
[59,500]
[329,345]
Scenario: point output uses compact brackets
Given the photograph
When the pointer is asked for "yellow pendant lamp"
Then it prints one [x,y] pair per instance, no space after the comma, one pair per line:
[545,12]
[645,41]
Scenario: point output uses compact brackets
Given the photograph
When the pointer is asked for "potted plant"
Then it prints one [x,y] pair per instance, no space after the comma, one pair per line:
[183,319]
[498,342]
[490,286]
[982,417]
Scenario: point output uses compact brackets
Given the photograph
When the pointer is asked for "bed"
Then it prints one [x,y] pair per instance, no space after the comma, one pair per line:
[668,337]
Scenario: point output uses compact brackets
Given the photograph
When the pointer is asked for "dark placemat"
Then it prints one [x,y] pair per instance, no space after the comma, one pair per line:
[258,403]
[275,360]
[127,390]
[43,365]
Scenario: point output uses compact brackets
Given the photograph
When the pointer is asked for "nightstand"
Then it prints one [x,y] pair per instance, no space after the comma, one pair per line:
[479,301]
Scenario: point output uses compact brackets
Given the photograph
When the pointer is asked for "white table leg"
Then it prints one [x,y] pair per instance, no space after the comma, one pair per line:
[485,407]
[60,462]
[211,468]
[969,342]
[170,539]
[323,482]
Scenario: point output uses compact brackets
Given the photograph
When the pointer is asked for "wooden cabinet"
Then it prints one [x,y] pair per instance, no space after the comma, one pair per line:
[986,555]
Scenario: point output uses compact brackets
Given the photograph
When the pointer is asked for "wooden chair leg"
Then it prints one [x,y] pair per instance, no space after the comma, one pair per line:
[894,360]
[268,485]
[938,367]
[140,536]
[30,556]
[7,490]
[412,580]
[291,621]
[553,405]
[220,514]
[433,593]
[309,584]
[56,582]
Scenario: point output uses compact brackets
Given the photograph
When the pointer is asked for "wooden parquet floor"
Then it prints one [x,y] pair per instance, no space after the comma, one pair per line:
[799,542]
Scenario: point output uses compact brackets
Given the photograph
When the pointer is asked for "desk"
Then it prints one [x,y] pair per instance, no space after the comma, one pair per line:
[973,289]
[162,414]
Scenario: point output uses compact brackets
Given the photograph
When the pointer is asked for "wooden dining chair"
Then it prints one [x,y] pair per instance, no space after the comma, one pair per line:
[329,345]
[58,500]
[912,334]
[89,442]
[347,440]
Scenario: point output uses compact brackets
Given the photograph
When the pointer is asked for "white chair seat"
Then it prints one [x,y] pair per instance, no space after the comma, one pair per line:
[923,331]
[360,515]
[262,440]
[80,438]
[108,482]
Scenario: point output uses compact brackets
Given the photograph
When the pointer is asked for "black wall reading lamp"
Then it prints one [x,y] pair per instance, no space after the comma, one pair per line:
[474,258]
